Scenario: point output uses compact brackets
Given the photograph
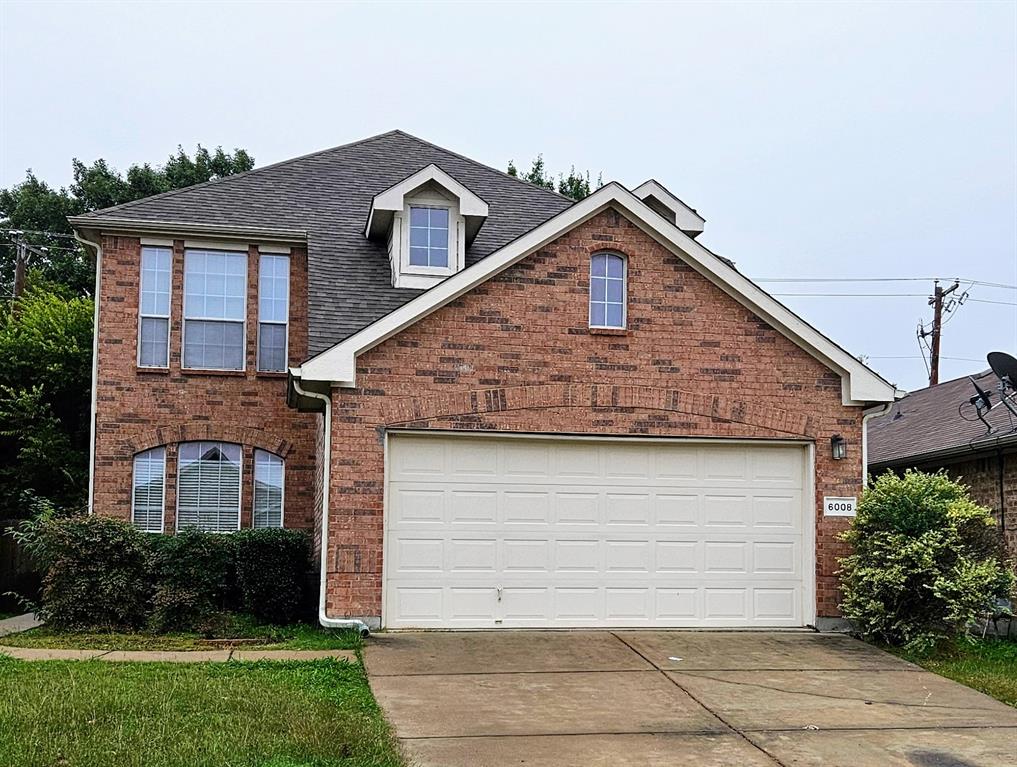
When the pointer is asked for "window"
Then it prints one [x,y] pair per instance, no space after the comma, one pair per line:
[149,490]
[208,486]
[273,311]
[268,490]
[154,308]
[215,300]
[607,291]
[429,237]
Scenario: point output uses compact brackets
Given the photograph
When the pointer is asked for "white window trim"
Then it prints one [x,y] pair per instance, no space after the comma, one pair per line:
[240,483]
[413,276]
[409,268]
[134,487]
[243,322]
[169,307]
[286,324]
[282,495]
[625,292]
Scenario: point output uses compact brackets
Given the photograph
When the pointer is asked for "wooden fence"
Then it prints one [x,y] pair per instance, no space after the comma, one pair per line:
[17,571]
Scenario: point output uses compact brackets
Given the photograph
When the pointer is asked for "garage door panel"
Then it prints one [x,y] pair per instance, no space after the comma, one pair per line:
[488,532]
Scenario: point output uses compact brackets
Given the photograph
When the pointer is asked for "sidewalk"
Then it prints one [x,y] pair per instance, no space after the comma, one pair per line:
[169,656]
[18,623]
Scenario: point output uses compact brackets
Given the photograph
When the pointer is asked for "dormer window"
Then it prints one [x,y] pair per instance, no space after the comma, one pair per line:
[429,236]
[427,221]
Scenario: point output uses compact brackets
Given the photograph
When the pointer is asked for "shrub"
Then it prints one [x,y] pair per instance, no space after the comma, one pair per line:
[96,571]
[926,561]
[193,574]
[272,567]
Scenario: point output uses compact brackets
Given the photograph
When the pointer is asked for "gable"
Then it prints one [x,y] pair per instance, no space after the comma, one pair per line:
[859,385]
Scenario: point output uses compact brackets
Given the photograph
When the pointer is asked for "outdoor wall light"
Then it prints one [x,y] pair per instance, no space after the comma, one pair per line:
[838,446]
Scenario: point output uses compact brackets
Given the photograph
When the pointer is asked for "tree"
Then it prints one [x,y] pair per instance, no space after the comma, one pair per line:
[574,185]
[41,211]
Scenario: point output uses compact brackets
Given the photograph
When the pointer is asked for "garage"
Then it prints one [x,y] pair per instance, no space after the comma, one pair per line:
[527,531]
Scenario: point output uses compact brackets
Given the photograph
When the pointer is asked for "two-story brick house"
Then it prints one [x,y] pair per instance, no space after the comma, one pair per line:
[495,407]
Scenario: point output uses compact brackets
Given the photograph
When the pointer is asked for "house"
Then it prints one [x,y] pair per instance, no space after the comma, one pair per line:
[494,406]
[937,428]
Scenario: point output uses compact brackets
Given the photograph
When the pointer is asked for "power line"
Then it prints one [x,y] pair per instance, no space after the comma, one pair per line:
[987,301]
[916,357]
[9,229]
[983,283]
[856,295]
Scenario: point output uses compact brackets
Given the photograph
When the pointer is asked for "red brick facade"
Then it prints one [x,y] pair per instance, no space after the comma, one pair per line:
[139,408]
[516,354]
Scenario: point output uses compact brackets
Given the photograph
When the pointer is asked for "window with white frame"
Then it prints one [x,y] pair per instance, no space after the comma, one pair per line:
[154,307]
[149,490]
[215,303]
[429,236]
[607,291]
[273,311]
[208,486]
[269,473]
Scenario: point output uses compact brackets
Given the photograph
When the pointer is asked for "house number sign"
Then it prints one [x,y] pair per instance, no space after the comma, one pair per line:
[839,507]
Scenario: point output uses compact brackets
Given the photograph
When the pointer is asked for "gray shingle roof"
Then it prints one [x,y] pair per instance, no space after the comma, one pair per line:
[929,423]
[328,194]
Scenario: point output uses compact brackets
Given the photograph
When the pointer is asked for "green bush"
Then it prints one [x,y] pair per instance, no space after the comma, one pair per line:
[96,571]
[193,577]
[272,568]
[926,561]
[104,574]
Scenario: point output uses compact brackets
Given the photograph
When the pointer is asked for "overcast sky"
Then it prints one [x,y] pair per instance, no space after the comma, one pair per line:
[823,140]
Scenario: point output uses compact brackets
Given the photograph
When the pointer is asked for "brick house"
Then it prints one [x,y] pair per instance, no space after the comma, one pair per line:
[494,406]
[934,428]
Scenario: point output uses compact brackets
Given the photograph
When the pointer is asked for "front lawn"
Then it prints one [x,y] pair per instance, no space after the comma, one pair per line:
[988,665]
[268,714]
[298,636]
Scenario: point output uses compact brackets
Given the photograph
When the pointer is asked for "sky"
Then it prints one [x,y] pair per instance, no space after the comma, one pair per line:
[820,141]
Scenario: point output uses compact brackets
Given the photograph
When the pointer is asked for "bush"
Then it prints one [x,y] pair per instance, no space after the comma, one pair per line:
[272,567]
[104,574]
[96,571]
[927,561]
[193,576]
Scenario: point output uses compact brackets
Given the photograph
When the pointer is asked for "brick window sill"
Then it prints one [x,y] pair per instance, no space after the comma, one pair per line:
[226,373]
[609,331]
[272,374]
[151,371]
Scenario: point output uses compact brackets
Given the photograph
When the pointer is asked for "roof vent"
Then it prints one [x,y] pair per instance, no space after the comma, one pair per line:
[659,199]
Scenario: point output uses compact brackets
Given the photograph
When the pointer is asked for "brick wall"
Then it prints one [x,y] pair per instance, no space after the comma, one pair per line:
[516,354]
[138,409]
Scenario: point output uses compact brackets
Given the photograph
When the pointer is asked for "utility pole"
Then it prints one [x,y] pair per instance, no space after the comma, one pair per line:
[936,302]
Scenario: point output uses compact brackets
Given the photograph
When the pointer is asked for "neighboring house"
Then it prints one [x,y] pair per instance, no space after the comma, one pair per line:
[494,406]
[936,428]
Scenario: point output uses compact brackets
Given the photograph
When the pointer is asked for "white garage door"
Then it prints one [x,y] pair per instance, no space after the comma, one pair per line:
[488,532]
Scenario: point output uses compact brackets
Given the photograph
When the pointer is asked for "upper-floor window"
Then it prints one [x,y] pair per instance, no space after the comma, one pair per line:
[149,490]
[607,291]
[154,307]
[208,486]
[429,236]
[273,311]
[268,490]
[215,302]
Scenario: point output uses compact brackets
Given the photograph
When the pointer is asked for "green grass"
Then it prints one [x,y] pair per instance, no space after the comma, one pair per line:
[988,665]
[299,636]
[269,714]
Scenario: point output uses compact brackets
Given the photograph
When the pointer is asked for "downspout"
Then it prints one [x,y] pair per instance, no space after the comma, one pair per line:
[326,474]
[871,412]
[95,368]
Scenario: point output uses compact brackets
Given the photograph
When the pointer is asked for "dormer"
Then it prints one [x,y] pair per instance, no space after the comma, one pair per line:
[658,198]
[427,220]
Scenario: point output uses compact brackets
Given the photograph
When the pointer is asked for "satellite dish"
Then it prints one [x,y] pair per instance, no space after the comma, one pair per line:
[1005,368]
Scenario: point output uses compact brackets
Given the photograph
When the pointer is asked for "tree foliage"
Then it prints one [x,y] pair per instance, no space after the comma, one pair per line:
[575,185]
[926,561]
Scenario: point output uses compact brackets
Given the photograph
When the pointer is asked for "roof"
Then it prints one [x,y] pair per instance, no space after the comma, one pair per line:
[860,385]
[930,423]
[326,196]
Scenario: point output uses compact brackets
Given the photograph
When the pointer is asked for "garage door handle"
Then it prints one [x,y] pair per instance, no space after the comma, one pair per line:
[499,593]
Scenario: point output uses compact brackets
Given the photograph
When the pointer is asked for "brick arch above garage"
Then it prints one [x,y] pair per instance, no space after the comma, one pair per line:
[478,402]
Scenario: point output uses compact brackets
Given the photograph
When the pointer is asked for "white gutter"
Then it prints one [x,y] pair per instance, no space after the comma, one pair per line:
[339,623]
[871,412]
[95,368]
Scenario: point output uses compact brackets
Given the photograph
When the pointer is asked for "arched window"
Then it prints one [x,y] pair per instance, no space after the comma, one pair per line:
[269,472]
[607,290]
[208,486]
[149,490]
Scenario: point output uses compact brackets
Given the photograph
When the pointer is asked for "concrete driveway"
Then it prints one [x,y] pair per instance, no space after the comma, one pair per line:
[589,698]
